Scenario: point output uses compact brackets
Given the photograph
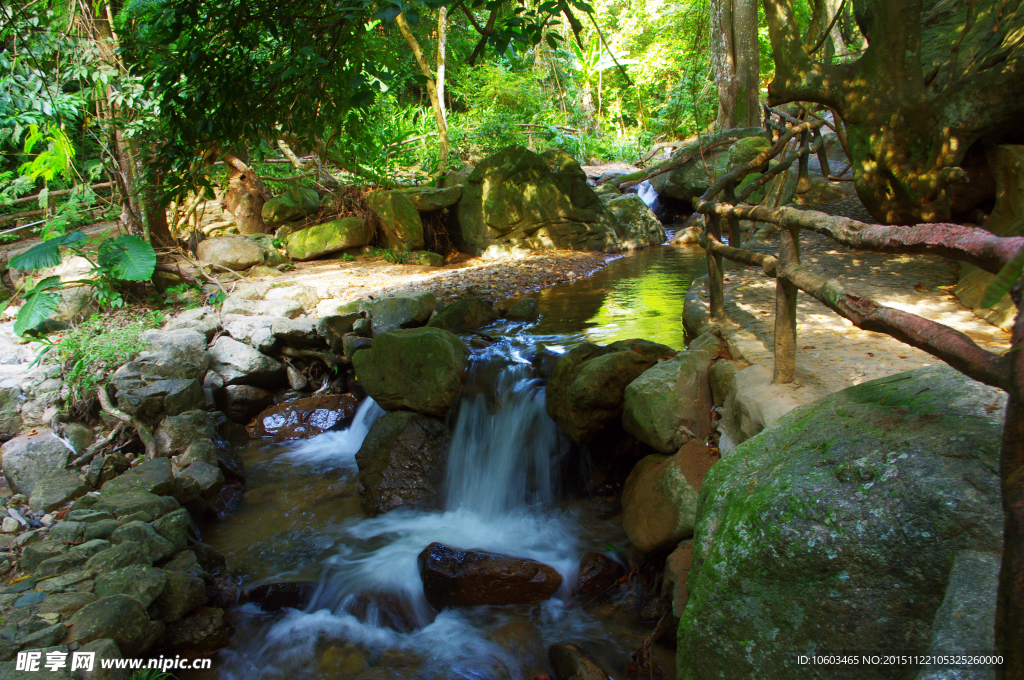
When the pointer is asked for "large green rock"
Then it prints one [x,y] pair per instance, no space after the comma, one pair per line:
[56,488]
[514,198]
[465,315]
[326,238]
[670,403]
[837,527]
[143,583]
[401,310]
[121,618]
[659,502]
[295,204]
[403,227]
[151,476]
[418,369]
[637,225]
[585,390]
[402,462]
[427,199]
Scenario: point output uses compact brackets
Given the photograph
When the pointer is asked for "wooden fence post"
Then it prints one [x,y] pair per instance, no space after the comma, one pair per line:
[735,237]
[715,283]
[785,309]
[822,154]
[803,182]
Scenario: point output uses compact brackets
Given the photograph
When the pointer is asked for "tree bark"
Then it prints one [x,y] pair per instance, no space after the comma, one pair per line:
[906,136]
[735,61]
[245,196]
[435,101]
[442,46]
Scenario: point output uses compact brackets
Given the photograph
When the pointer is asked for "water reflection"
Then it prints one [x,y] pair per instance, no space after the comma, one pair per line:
[639,295]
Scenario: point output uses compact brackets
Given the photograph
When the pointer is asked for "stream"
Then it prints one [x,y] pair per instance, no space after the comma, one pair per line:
[300,517]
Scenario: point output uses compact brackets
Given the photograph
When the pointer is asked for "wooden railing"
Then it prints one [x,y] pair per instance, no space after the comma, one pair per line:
[721,202]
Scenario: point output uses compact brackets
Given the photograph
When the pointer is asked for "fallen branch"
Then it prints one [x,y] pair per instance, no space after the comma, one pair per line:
[145,433]
[326,357]
[701,146]
[176,269]
[55,194]
[91,452]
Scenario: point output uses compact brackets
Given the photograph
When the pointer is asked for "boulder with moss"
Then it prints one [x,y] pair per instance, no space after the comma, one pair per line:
[327,238]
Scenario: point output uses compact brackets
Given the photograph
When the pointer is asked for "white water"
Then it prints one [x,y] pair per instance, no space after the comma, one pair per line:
[502,489]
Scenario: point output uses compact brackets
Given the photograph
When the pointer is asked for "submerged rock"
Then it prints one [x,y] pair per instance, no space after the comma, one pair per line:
[840,523]
[585,391]
[596,575]
[304,418]
[469,578]
[402,462]
[569,662]
[272,597]
[419,369]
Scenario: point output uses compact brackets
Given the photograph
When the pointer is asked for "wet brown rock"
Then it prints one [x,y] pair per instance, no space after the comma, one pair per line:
[202,632]
[457,578]
[402,462]
[272,597]
[305,418]
[569,662]
[597,574]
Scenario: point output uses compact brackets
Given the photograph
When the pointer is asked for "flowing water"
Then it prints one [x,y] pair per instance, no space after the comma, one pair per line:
[300,519]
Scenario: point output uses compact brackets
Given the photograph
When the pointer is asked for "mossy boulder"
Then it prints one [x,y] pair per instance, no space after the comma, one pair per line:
[695,176]
[418,369]
[121,618]
[403,227]
[427,199]
[670,403]
[585,392]
[837,527]
[296,203]
[326,238]
[637,225]
[425,258]
[465,315]
[517,198]
[401,310]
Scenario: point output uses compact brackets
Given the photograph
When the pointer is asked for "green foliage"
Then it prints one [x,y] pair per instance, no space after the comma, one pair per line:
[393,256]
[183,296]
[124,258]
[91,352]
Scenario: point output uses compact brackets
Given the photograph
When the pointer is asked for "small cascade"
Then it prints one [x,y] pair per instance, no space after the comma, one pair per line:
[505,459]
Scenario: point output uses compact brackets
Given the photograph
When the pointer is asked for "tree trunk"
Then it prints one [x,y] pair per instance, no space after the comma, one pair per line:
[735,61]
[908,132]
[245,196]
[435,101]
[442,45]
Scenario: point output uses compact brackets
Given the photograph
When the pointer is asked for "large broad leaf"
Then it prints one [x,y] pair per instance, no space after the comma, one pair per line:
[1004,280]
[40,303]
[46,254]
[128,258]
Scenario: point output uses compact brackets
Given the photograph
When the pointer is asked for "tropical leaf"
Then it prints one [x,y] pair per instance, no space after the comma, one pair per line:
[40,303]
[46,254]
[1004,280]
[128,257]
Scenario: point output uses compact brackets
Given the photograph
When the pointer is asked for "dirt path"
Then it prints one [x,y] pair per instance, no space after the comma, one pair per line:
[832,353]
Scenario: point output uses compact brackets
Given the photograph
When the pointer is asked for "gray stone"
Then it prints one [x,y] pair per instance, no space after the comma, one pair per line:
[295,332]
[104,648]
[352,343]
[464,315]
[710,343]
[176,433]
[209,478]
[11,399]
[332,329]
[720,374]
[286,308]
[327,238]
[100,530]
[234,252]
[966,620]
[203,320]
[841,538]
[47,637]
[239,364]
[92,545]
[65,603]
[182,594]
[143,583]
[26,459]
[34,555]
[155,546]
[241,402]
[419,369]
[56,488]
[200,450]
[402,462]
[87,515]
[670,403]
[185,348]
[67,532]
[427,199]
[637,226]
[151,476]
[174,527]
[203,632]
[121,618]
[255,331]
[118,557]
[152,401]
[524,310]
[401,310]
[304,295]
[61,564]
[571,663]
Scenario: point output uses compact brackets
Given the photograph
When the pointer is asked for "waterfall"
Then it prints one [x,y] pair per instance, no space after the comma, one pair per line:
[504,459]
